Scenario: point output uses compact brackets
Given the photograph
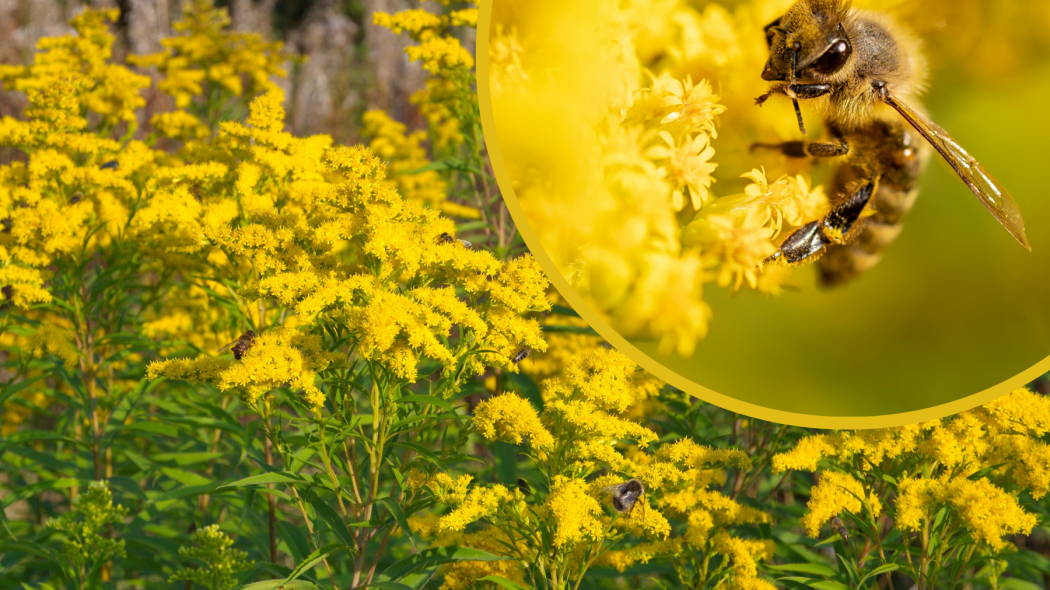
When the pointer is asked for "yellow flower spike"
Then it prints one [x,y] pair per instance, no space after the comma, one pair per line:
[478,503]
[511,418]
[574,511]
[179,125]
[989,512]
[404,154]
[807,452]
[915,499]
[834,494]
[206,52]
[51,339]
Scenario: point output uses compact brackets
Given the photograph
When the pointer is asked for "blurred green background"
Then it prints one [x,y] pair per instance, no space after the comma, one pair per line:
[956,306]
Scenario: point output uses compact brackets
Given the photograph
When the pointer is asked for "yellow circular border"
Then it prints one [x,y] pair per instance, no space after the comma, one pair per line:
[488,125]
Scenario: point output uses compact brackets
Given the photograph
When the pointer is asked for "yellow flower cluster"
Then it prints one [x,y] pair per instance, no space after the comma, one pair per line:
[286,230]
[206,57]
[438,49]
[834,494]
[106,89]
[581,431]
[511,418]
[63,201]
[1005,435]
[618,183]
[404,155]
[470,505]
[577,515]
[51,339]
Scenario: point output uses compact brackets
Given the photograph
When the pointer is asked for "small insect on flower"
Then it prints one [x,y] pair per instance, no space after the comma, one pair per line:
[241,345]
[76,198]
[839,527]
[625,495]
[197,194]
[524,352]
[110,165]
[444,238]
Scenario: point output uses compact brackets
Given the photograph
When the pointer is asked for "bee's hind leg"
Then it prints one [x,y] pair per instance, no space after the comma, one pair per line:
[807,149]
[809,241]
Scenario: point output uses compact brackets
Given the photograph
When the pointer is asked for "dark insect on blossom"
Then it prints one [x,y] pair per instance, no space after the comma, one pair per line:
[524,352]
[625,495]
[76,198]
[241,345]
[197,194]
[444,238]
[110,165]
[839,527]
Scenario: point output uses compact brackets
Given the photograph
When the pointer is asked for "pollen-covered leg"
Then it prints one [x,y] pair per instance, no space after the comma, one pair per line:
[838,227]
[807,149]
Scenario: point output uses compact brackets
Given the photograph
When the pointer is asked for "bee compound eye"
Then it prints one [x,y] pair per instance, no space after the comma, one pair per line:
[834,57]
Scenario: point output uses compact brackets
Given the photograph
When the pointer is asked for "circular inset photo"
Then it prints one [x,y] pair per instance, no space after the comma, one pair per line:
[817,212]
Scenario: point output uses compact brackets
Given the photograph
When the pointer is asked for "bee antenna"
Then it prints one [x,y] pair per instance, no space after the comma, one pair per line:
[794,100]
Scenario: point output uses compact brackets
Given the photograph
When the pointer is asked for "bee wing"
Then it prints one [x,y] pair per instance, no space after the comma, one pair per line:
[228,346]
[992,194]
[613,489]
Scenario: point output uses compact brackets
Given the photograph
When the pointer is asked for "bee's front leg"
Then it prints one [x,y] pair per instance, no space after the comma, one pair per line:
[795,91]
[809,241]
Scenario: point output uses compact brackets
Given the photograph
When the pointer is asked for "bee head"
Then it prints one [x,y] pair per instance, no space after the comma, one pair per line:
[250,334]
[809,42]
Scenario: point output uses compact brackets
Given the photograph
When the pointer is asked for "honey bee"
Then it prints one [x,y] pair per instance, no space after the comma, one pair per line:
[863,69]
[444,238]
[625,495]
[839,527]
[241,345]
[520,356]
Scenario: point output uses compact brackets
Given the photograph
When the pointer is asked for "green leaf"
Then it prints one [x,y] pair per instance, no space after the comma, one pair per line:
[829,585]
[30,548]
[298,544]
[391,586]
[399,516]
[184,477]
[509,585]
[882,569]
[431,558]
[805,568]
[431,167]
[428,399]
[1017,584]
[315,558]
[265,478]
[283,585]
[40,486]
[571,329]
[328,514]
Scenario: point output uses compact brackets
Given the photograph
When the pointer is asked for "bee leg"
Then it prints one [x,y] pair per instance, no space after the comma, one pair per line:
[810,240]
[807,149]
[795,91]
[808,91]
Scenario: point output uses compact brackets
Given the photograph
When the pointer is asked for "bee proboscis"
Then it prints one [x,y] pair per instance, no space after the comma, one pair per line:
[241,345]
[863,69]
[625,495]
